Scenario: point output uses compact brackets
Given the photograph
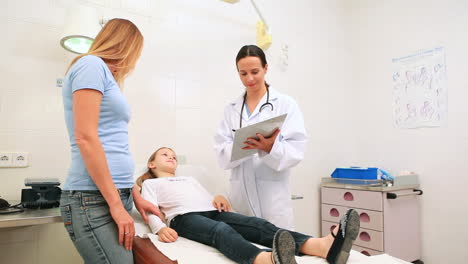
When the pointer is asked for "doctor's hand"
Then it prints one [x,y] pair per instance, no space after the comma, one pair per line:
[221,203]
[265,144]
[167,235]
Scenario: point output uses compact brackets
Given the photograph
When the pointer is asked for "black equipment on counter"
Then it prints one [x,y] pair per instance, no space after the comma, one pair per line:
[44,193]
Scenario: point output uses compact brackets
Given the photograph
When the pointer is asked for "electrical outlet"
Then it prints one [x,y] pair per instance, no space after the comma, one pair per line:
[6,160]
[20,159]
[59,82]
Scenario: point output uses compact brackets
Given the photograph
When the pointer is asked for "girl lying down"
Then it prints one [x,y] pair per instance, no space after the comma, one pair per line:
[193,213]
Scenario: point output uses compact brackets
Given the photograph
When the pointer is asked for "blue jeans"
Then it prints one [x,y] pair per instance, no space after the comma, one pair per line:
[230,233]
[88,221]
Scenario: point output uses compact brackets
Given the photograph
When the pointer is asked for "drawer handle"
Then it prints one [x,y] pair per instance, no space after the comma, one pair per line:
[364,236]
[348,196]
[364,217]
[332,228]
[394,195]
[334,212]
[365,253]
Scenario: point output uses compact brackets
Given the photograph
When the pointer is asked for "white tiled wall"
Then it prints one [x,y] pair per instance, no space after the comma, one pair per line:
[185,77]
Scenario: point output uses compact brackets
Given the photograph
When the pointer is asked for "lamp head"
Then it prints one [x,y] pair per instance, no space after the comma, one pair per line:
[76,43]
[81,26]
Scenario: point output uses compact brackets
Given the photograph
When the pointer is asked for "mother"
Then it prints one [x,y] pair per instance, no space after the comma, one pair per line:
[97,196]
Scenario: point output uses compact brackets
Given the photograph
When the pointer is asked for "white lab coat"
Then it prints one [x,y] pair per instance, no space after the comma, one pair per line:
[259,184]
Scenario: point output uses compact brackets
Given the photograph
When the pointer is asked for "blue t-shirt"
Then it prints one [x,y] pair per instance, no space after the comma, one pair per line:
[90,72]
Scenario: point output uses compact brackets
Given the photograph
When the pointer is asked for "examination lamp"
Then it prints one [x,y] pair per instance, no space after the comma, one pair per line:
[263,31]
[81,26]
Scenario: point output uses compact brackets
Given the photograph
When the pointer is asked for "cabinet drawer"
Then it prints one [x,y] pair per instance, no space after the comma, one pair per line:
[366,238]
[369,219]
[352,198]
[370,239]
[327,227]
[366,251]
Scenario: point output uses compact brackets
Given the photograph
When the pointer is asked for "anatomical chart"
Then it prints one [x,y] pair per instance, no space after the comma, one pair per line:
[420,89]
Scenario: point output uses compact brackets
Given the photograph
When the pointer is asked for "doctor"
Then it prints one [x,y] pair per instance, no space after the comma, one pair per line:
[259,184]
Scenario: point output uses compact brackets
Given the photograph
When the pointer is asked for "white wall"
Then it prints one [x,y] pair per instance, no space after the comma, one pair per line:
[339,72]
[377,32]
[185,77]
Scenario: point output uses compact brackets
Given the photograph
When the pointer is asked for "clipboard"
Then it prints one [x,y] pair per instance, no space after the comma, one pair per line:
[265,128]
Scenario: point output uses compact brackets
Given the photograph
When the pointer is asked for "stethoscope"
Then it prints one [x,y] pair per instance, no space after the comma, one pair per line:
[261,107]
[267,103]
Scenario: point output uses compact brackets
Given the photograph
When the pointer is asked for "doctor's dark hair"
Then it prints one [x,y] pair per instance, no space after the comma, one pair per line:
[252,51]
[149,174]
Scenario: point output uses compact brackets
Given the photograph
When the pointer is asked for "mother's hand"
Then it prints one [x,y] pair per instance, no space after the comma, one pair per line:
[143,206]
[262,143]
[125,225]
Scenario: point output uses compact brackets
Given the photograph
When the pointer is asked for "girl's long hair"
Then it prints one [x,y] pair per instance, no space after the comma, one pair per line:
[119,43]
[149,174]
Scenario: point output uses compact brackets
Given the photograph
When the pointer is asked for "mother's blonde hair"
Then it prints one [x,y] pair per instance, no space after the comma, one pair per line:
[119,43]
[149,174]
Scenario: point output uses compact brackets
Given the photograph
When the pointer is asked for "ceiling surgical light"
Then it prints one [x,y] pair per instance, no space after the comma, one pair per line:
[263,31]
[81,27]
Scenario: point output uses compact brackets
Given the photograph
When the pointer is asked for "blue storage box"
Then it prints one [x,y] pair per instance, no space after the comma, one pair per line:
[356,173]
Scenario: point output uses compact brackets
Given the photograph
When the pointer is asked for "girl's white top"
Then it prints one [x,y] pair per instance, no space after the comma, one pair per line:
[175,196]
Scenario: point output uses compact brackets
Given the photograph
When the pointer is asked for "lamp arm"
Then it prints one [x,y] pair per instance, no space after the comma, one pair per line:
[260,15]
[103,21]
